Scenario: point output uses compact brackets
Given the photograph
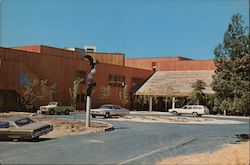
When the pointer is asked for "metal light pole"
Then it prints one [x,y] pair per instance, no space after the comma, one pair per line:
[88,108]
[90,85]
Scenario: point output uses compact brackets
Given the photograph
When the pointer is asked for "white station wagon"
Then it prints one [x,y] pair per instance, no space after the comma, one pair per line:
[195,110]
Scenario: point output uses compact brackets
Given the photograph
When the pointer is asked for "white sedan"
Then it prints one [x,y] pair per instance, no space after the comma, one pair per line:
[109,110]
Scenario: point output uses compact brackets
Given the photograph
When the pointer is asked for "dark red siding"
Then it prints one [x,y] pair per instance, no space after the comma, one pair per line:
[60,66]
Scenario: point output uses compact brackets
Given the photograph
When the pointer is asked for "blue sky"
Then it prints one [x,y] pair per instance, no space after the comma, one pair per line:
[138,28]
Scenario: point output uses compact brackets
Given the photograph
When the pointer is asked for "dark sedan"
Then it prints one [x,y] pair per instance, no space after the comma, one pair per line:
[22,128]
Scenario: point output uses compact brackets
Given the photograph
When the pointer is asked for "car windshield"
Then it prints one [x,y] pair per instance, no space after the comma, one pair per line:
[4,124]
[24,121]
[52,103]
[106,106]
[117,107]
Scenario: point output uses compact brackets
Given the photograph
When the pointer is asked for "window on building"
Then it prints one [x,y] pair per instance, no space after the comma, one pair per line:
[120,81]
[81,75]
[116,80]
[90,50]
[112,80]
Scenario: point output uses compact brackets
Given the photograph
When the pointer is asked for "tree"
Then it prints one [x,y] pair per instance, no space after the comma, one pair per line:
[198,96]
[37,90]
[124,95]
[232,76]
[74,91]
[105,92]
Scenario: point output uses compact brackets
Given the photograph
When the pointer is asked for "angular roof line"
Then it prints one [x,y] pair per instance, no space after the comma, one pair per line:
[170,83]
[16,47]
[159,57]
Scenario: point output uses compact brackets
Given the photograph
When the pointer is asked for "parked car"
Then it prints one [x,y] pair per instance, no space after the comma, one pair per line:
[56,108]
[109,110]
[195,110]
[22,128]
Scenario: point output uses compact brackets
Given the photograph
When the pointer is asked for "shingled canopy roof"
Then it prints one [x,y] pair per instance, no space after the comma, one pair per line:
[175,83]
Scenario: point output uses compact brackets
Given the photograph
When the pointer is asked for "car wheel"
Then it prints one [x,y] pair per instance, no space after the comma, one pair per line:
[15,140]
[93,116]
[195,114]
[35,139]
[51,112]
[66,112]
[175,113]
[107,115]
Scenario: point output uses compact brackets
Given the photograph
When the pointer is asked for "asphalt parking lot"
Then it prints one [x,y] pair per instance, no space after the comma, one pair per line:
[129,143]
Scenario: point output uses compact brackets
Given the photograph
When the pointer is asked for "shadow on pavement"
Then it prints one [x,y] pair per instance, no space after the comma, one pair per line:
[27,140]
[117,128]
[243,137]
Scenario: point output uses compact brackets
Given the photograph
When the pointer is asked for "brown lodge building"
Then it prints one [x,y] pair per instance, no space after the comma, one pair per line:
[31,76]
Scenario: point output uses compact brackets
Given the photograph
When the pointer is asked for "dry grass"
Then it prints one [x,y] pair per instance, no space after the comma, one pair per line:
[233,154]
[61,127]
[14,114]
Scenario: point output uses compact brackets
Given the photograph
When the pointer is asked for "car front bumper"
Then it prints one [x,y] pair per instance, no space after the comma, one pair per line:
[96,113]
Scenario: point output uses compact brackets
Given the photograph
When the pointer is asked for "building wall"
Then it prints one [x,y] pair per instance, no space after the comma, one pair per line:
[18,65]
[171,64]
[102,75]
[148,63]
[60,67]
[186,65]
[108,58]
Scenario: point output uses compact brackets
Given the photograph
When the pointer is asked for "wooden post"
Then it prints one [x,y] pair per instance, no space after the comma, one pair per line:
[166,104]
[150,104]
[173,102]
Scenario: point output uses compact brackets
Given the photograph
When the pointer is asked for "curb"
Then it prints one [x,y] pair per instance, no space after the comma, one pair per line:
[108,128]
[149,113]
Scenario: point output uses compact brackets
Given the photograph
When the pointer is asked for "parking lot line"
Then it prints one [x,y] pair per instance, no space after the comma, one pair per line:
[179,143]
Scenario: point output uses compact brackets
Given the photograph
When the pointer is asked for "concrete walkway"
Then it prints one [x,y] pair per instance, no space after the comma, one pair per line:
[170,114]
[149,113]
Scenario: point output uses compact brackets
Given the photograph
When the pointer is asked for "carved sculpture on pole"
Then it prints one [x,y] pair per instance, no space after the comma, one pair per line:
[90,84]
